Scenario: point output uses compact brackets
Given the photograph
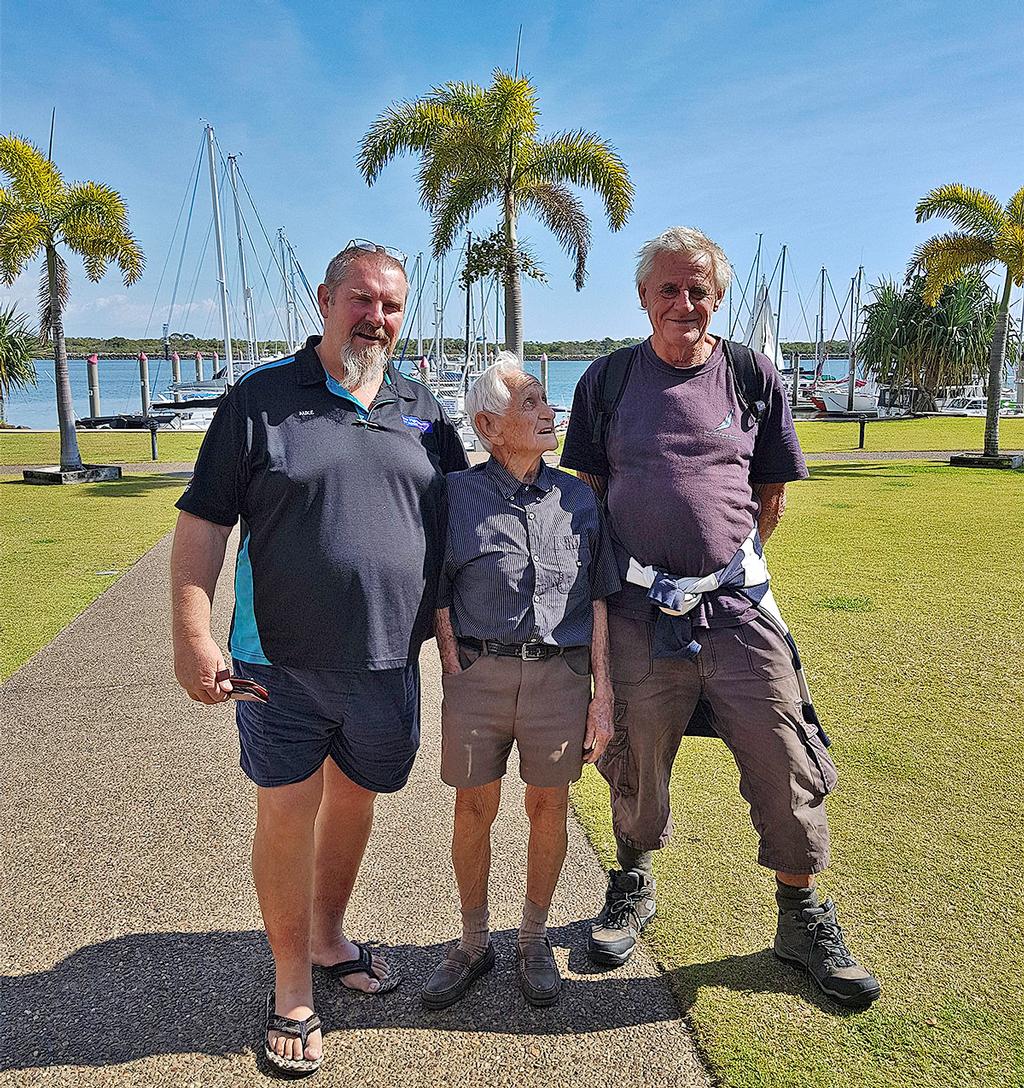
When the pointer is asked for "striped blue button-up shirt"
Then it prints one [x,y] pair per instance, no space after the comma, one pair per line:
[524,562]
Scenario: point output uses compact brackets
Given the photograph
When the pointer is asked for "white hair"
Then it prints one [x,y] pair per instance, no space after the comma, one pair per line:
[688,241]
[490,392]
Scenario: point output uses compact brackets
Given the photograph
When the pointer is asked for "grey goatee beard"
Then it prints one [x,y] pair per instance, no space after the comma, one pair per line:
[363,363]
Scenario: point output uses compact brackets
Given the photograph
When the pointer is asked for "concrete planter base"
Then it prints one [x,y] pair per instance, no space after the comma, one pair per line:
[88,474]
[979,460]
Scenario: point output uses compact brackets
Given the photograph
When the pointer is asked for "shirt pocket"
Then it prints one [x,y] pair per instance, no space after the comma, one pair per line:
[573,555]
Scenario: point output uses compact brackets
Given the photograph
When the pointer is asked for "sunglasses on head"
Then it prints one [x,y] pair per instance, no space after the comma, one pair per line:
[372,247]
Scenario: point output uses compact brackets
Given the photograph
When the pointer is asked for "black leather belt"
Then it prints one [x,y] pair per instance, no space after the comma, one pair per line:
[526,651]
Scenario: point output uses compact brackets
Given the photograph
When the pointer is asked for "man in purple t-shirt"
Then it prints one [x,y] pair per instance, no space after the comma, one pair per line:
[692,480]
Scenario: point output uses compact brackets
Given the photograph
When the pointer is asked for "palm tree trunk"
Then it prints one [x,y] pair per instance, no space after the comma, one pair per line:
[70,457]
[513,285]
[996,359]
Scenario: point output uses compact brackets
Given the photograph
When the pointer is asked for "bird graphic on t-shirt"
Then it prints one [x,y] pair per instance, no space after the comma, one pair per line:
[725,424]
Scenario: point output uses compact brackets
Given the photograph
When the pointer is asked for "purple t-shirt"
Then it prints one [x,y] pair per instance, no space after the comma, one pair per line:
[680,459]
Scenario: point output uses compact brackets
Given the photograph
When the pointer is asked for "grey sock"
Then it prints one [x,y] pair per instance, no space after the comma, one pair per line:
[534,926]
[790,898]
[629,858]
[476,930]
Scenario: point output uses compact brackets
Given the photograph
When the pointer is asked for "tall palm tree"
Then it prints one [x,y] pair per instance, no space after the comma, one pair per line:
[479,146]
[39,212]
[17,348]
[989,235]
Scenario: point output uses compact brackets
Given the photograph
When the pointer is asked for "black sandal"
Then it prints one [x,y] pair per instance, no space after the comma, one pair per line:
[296,1029]
[362,965]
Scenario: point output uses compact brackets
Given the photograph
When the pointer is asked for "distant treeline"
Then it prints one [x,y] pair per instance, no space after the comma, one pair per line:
[186,346]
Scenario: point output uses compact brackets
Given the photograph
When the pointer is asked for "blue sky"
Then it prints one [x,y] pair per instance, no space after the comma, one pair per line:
[816,124]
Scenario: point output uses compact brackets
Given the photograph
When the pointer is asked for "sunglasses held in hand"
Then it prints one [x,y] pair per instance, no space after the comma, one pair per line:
[246,690]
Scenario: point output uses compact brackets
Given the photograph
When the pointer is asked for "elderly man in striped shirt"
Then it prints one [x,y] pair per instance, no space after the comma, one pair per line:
[523,637]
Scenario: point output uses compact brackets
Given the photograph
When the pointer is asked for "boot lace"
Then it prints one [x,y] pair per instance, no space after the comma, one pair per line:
[621,910]
[827,940]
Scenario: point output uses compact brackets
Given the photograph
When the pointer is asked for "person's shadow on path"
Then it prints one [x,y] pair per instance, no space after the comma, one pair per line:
[147,994]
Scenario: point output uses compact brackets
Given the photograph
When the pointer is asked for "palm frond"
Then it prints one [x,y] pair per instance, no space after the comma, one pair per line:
[461,151]
[585,159]
[23,235]
[17,347]
[34,180]
[562,212]
[1015,209]
[52,305]
[512,103]
[460,202]
[1009,248]
[404,128]
[970,209]
[946,257]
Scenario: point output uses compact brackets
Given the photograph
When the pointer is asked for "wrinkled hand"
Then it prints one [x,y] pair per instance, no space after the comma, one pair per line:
[599,727]
[197,661]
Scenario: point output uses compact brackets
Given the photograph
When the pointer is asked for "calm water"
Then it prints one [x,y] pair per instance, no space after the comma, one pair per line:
[120,392]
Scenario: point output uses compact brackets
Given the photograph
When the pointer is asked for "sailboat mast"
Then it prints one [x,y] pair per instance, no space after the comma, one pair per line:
[820,360]
[778,312]
[221,268]
[287,293]
[440,312]
[852,352]
[250,329]
[469,304]
[419,305]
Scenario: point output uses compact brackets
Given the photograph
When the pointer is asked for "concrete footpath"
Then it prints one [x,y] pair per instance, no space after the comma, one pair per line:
[131,941]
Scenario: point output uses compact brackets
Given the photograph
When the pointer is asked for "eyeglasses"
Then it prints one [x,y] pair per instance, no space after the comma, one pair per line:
[372,247]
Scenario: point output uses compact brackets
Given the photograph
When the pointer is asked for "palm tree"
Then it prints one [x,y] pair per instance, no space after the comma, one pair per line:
[40,212]
[989,235]
[17,348]
[479,146]
[904,341]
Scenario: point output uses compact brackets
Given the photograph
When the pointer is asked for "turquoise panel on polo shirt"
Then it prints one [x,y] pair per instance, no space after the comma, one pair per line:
[339,390]
[245,636]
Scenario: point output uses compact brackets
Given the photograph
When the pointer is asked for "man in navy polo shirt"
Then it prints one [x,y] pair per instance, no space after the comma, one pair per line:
[332,463]
[694,482]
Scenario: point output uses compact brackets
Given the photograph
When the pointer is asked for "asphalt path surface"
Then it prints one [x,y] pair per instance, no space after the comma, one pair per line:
[132,947]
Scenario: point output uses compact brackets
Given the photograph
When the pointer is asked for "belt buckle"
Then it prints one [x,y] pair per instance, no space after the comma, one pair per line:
[532,651]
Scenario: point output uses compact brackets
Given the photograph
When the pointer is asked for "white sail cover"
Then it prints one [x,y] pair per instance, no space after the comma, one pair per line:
[761,334]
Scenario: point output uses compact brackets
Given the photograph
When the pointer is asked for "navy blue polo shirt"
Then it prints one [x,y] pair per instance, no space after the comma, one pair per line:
[340,509]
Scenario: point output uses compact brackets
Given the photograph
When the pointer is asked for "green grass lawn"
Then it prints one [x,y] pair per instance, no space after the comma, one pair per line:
[907,435]
[98,447]
[62,546]
[115,447]
[901,583]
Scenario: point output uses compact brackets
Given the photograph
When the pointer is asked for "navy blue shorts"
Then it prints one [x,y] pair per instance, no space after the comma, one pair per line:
[367,721]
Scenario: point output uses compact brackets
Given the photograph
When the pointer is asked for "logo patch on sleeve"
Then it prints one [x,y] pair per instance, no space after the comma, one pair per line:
[424,425]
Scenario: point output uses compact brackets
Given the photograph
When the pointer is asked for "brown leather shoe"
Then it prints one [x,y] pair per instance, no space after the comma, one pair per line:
[453,975]
[538,973]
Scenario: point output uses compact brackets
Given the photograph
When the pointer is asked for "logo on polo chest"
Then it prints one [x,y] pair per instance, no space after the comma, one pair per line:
[423,425]
[723,430]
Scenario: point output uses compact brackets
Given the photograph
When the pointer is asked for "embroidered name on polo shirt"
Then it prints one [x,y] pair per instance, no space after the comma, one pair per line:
[306,413]
[424,425]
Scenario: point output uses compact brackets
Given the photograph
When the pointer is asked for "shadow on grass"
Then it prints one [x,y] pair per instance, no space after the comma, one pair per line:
[757,972]
[204,993]
[126,487]
[863,470]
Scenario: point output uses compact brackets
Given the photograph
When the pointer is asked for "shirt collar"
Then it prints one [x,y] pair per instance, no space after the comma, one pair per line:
[508,484]
[311,370]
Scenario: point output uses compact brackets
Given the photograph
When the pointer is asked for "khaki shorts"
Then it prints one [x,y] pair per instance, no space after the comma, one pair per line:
[541,705]
[746,675]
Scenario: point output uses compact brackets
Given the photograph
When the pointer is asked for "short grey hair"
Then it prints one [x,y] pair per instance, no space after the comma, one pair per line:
[490,392]
[688,241]
[341,262]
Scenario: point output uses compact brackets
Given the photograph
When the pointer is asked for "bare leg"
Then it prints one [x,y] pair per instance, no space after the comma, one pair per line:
[282,869]
[796,880]
[342,830]
[547,808]
[475,810]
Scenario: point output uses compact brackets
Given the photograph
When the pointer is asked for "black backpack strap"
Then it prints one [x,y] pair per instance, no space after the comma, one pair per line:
[748,378]
[610,387]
